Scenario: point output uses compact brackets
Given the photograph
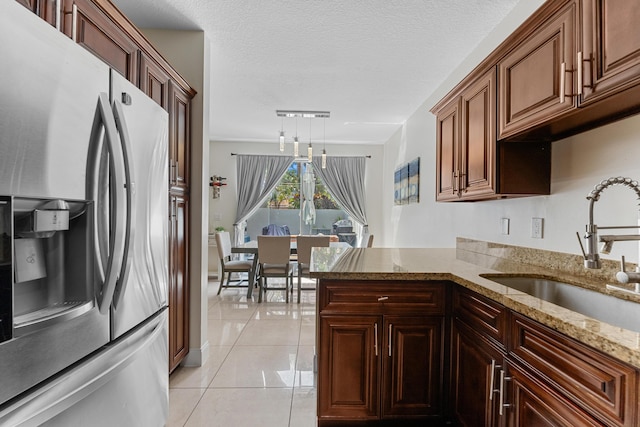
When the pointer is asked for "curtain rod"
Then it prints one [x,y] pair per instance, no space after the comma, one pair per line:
[300,158]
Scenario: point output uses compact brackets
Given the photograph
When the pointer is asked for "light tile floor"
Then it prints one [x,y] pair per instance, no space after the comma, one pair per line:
[260,367]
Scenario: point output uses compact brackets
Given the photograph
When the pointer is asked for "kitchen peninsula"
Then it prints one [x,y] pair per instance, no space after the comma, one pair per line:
[423,334]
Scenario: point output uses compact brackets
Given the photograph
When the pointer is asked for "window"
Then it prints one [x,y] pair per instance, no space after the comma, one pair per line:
[284,206]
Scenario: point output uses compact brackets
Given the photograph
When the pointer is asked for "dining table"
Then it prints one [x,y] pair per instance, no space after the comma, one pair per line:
[251,248]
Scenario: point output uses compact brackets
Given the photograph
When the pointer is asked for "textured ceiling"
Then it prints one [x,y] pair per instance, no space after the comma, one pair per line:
[372,63]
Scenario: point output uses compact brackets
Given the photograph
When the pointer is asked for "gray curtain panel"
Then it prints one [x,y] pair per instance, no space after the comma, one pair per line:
[257,176]
[344,178]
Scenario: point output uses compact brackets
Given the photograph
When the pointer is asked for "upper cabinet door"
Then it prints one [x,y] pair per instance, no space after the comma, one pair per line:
[154,81]
[611,47]
[90,27]
[45,9]
[447,151]
[179,137]
[533,76]
[478,153]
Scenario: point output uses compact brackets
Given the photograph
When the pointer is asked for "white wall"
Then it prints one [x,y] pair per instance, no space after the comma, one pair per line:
[578,164]
[222,211]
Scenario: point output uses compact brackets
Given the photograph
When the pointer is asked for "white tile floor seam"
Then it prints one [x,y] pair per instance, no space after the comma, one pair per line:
[260,368]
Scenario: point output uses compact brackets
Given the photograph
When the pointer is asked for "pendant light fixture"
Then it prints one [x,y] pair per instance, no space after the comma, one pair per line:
[324,143]
[282,136]
[295,141]
[310,148]
[304,114]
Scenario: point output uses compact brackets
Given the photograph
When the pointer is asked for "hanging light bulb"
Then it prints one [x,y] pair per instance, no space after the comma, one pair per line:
[310,149]
[324,143]
[295,141]
[282,136]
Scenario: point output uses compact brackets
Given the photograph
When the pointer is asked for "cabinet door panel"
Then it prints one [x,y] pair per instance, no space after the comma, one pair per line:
[447,154]
[530,76]
[412,381]
[178,281]
[535,405]
[94,30]
[599,381]
[478,137]
[154,81]
[348,367]
[611,47]
[474,375]
[179,135]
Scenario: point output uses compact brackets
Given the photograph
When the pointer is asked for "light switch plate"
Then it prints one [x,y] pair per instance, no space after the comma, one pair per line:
[505,226]
[537,225]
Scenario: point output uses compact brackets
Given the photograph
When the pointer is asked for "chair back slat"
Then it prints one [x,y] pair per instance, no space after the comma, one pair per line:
[223,241]
[274,249]
[305,243]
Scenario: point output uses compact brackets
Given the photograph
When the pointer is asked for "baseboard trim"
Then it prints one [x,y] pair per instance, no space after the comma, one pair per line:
[197,356]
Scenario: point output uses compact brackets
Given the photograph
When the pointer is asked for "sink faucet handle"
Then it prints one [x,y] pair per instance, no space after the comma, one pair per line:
[622,267]
[584,254]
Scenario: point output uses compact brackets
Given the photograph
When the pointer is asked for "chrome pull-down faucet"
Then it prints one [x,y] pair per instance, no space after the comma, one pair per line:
[592,255]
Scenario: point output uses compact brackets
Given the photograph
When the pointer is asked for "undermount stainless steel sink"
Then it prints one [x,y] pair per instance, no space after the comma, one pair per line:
[614,311]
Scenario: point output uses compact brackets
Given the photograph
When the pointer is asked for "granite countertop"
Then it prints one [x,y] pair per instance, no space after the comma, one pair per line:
[465,268]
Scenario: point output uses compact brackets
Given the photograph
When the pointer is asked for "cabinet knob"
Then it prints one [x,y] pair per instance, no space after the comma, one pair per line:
[383,298]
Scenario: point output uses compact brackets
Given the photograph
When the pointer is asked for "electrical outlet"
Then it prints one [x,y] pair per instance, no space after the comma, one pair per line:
[505,226]
[537,225]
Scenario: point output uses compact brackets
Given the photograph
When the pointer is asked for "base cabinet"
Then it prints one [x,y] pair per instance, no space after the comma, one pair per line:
[544,379]
[387,364]
[178,280]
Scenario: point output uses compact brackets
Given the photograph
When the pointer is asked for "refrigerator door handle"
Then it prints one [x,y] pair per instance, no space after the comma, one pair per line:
[130,185]
[107,276]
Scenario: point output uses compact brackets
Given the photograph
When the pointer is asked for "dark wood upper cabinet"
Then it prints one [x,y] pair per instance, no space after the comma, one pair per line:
[179,136]
[154,81]
[90,27]
[447,151]
[610,47]
[536,77]
[471,164]
[572,66]
[45,9]
[466,143]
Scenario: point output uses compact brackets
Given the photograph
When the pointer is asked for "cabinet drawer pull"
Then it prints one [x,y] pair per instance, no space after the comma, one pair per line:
[58,17]
[579,73]
[383,298]
[563,71]
[74,23]
[492,388]
[375,337]
[503,380]
[453,182]
[390,332]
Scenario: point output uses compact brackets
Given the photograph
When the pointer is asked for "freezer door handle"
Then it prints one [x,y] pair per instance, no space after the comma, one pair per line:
[116,214]
[130,185]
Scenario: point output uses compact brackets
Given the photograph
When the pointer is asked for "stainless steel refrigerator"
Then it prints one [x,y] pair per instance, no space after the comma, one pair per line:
[83,236]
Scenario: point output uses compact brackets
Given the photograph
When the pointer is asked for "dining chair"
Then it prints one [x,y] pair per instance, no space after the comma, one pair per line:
[273,260]
[370,241]
[229,266]
[305,244]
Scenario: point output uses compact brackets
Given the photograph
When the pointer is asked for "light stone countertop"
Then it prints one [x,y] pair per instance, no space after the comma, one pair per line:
[465,267]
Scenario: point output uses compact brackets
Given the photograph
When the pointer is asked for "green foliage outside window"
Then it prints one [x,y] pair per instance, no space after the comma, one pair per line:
[286,195]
